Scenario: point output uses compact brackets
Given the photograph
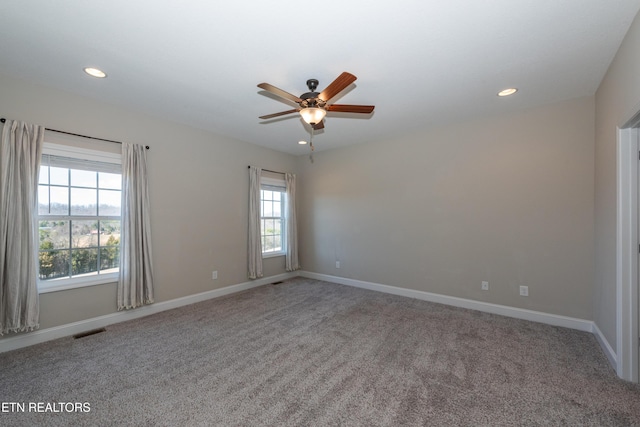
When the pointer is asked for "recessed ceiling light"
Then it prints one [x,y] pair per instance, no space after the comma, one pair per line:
[507,92]
[94,72]
[302,142]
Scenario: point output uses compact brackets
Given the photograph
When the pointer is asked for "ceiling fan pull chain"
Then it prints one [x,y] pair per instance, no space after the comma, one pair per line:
[311,140]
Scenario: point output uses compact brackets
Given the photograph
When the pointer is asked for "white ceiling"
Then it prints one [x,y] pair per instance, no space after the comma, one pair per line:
[420,62]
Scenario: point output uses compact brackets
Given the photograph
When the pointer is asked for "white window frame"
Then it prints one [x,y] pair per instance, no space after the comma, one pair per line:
[53,285]
[271,184]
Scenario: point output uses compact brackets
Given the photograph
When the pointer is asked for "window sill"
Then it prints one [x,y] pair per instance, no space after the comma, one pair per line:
[272,254]
[56,285]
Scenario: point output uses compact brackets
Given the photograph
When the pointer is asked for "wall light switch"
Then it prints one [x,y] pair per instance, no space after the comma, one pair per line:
[337,264]
[524,291]
[485,285]
[214,275]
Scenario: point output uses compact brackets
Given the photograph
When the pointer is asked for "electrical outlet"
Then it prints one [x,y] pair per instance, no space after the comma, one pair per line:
[214,275]
[524,291]
[485,285]
[337,264]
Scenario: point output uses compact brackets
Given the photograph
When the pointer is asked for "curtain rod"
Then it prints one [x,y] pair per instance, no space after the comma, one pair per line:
[3,120]
[267,170]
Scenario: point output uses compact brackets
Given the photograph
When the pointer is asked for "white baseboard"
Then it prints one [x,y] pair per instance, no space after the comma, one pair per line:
[518,313]
[48,334]
[503,310]
[43,335]
[606,347]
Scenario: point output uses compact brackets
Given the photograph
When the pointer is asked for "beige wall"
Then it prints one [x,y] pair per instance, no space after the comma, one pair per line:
[198,189]
[507,199]
[617,98]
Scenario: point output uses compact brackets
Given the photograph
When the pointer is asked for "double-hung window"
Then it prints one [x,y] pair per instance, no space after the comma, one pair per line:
[79,207]
[272,216]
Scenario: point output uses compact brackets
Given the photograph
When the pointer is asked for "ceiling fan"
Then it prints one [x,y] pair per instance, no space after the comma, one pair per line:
[315,105]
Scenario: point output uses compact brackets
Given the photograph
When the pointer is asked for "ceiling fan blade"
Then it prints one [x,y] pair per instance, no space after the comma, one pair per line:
[345,108]
[281,113]
[281,93]
[318,126]
[337,86]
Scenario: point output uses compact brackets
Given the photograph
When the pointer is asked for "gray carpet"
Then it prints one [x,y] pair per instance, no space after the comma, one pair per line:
[309,353]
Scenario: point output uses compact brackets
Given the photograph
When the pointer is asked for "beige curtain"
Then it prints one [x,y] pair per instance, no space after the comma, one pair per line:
[19,166]
[291,258]
[255,240]
[135,286]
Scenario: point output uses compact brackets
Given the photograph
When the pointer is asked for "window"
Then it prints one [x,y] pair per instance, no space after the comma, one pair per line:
[272,220]
[79,199]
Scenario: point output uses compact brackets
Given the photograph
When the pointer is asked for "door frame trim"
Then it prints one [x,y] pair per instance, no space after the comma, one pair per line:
[627,249]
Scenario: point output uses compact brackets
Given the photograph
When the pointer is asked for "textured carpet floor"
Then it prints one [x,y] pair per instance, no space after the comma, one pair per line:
[309,353]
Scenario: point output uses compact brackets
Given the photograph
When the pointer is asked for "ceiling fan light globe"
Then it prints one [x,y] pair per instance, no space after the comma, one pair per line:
[312,115]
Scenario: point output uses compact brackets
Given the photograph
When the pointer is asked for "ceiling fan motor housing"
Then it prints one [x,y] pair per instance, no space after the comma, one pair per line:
[310,99]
